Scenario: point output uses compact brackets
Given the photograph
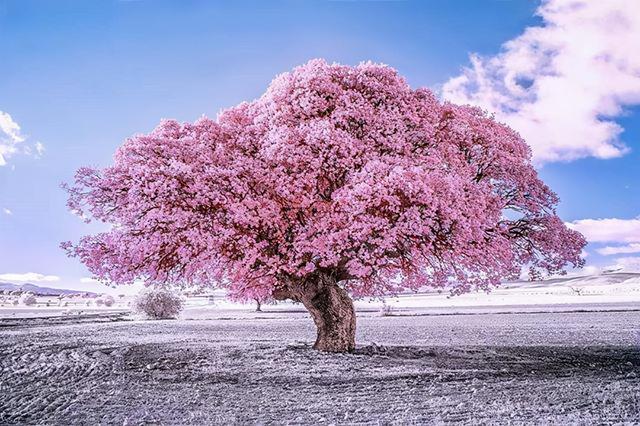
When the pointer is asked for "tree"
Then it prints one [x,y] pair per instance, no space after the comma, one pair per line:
[28,299]
[107,300]
[158,303]
[338,181]
[259,295]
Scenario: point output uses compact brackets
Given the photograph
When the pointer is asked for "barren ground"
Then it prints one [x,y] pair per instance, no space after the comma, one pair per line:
[560,368]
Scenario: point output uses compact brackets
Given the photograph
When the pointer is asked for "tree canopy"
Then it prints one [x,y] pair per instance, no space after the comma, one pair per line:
[339,170]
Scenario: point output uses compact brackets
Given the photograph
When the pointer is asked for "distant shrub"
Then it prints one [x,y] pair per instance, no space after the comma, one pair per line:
[386,310]
[99,302]
[107,300]
[158,303]
[27,299]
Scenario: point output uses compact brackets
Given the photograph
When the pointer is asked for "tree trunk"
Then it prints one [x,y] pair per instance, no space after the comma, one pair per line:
[330,307]
[332,311]
[258,306]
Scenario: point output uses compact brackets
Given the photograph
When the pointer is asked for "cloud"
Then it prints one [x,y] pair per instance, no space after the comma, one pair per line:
[40,149]
[88,280]
[12,141]
[608,230]
[7,211]
[625,249]
[29,277]
[628,264]
[10,137]
[624,232]
[562,83]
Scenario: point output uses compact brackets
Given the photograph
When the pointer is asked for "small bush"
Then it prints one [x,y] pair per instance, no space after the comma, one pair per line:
[107,300]
[386,310]
[158,303]
[27,299]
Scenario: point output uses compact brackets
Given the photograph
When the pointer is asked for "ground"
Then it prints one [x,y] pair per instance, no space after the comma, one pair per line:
[241,367]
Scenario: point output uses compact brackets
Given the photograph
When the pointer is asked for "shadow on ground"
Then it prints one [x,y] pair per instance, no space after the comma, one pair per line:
[168,373]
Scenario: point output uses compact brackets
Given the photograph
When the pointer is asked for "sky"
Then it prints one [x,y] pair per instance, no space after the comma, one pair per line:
[79,77]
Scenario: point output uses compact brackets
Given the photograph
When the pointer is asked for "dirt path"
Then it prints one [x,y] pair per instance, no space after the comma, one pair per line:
[554,368]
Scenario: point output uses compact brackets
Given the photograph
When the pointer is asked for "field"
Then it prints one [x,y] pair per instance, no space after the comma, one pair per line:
[236,366]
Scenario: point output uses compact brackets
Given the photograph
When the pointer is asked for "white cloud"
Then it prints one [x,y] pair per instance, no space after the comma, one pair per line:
[561,84]
[29,277]
[88,280]
[625,249]
[625,233]
[587,270]
[627,264]
[12,141]
[608,230]
[10,137]
[40,149]
[7,211]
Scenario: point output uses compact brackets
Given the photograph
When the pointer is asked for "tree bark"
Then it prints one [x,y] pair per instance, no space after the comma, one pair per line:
[330,307]
[258,306]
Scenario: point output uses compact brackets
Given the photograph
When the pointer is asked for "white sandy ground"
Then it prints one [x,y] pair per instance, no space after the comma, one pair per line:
[257,368]
[544,368]
[543,355]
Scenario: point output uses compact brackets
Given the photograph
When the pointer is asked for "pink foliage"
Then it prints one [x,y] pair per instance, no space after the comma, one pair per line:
[346,170]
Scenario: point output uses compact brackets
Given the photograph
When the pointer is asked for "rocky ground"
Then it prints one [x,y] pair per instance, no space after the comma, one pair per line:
[562,368]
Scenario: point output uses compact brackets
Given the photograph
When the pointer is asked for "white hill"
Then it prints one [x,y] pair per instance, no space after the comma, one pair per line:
[42,291]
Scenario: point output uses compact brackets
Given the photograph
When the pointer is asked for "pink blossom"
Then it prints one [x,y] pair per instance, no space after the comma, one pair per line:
[346,170]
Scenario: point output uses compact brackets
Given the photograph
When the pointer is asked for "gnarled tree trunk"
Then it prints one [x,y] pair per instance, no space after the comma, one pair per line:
[330,307]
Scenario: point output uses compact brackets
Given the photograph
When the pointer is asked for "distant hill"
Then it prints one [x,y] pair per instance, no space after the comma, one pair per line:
[43,291]
[604,278]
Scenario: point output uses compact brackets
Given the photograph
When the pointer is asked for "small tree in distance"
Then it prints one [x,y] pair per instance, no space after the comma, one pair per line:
[158,303]
[106,300]
[257,295]
[28,299]
[339,181]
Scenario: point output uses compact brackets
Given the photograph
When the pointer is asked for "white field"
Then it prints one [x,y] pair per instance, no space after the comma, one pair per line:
[594,292]
[560,352]
[244,367]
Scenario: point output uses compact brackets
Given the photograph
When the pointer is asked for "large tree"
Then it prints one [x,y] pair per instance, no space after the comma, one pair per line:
[338,180]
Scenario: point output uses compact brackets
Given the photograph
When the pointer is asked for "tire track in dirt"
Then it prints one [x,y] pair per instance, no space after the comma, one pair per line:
[46,380]
[179,372]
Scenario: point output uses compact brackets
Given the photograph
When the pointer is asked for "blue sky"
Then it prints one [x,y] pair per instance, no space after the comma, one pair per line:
[78,77]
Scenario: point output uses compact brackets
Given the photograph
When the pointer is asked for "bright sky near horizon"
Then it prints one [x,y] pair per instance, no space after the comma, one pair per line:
[79,77]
